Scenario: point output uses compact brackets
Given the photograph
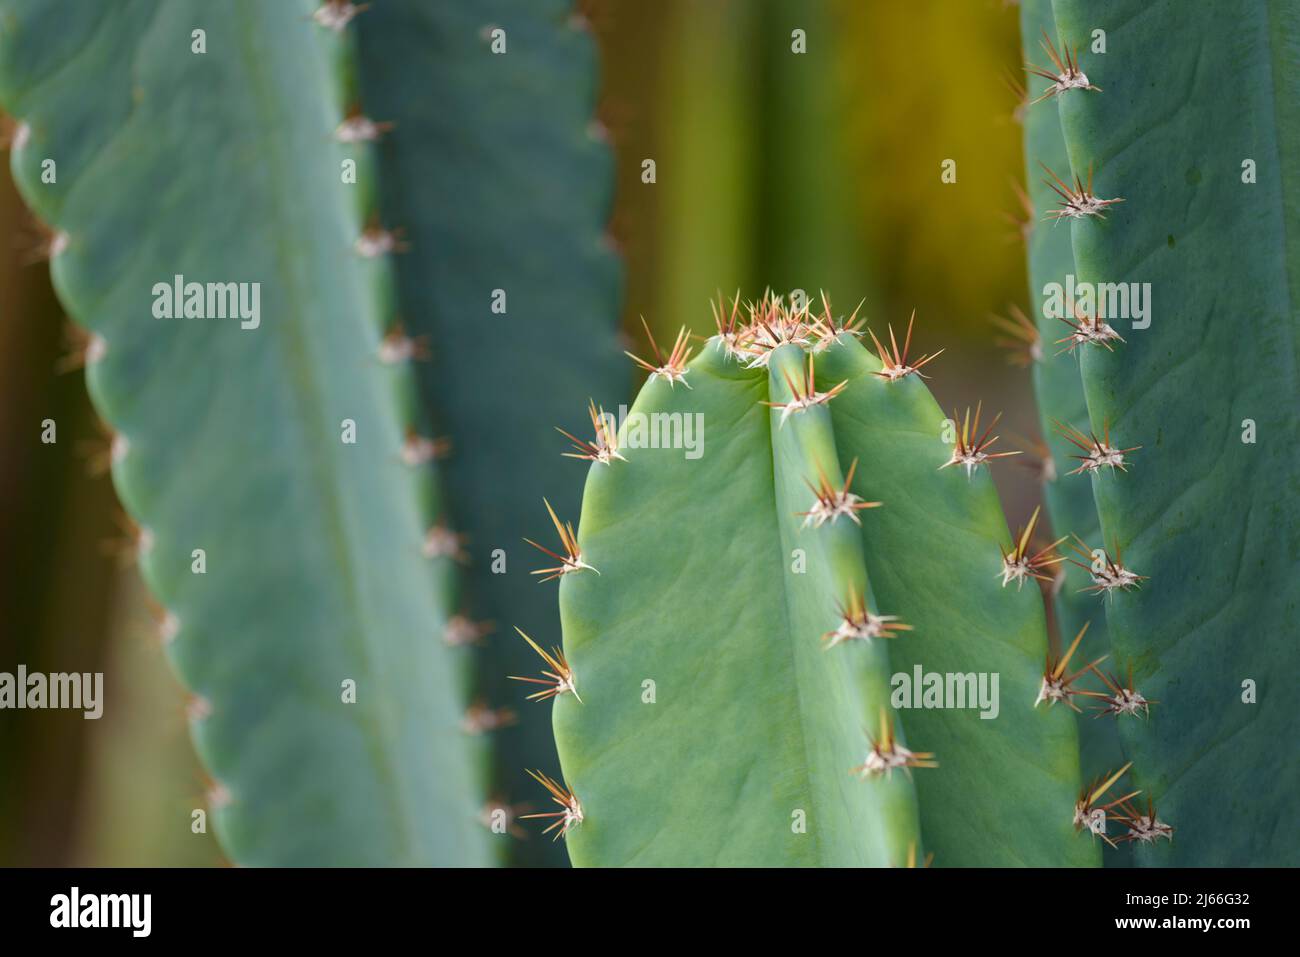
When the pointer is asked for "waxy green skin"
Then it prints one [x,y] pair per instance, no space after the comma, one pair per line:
[1211,519]
[1058,386]
[314,573]
[752,720]
[497,175]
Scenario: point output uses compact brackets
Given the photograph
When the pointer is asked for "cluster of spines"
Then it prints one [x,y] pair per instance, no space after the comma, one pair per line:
[1092,814]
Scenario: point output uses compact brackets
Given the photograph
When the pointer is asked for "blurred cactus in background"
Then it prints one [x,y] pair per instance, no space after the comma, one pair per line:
[279,469]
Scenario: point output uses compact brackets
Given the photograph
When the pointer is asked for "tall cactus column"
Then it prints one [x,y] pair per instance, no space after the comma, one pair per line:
[737,612]
[1055,364]
[1198,130]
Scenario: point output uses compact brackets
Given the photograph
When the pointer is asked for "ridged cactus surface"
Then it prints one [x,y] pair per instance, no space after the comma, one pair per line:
[501,177]
[1209,512]
[313,570]
[1067,493]
[736,639]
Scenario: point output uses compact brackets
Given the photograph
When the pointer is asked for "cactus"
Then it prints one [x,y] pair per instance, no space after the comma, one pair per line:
[277,464]
[715,726]
[1205,515]
[538,238]
[1055,369]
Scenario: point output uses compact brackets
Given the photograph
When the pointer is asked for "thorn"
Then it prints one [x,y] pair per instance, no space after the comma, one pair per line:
[970,451]
[1098,453]
[418,450]
[359,128]
[857,623]
[1018,564]
[1021,94]
[1123,698]
[168,628]
[911,856]
[559,680]
[14,134]
[672,369]
[106,452]
[1092,330]
[570,813]
[397,347]
[1067,75]
[1024,223]
[1038,459]
[1110,575]
[1024,346]
[460,631]
[831,503]
[730,327]
[337,14]
[804,394]
[1077,201]
[219,796]
[1057,685]
[1087,813]
[442,542]
[826,329]
[772,325]
[376,241]
[894,362]
[886,754]
[83,348]
[571,561]
[49,245]
[1145,828]
[604,448]
[136,541]
[480,719]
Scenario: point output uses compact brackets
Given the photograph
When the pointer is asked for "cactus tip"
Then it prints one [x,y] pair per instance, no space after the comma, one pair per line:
[672,369]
